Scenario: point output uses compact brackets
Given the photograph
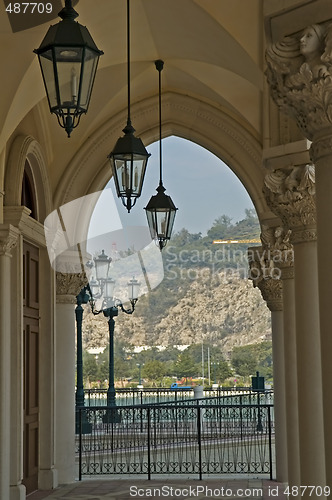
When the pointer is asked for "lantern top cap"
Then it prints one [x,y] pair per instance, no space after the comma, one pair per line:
[129,144]
[160,201]
[103,256]
[68,12]
[68,33]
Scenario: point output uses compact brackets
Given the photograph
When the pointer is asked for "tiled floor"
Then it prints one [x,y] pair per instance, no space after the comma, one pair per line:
[113,489]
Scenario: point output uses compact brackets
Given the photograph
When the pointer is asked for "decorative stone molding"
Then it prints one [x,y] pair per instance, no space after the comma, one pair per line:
[299,73]
[8,239]
[290,194]
[287,272]
[68,286]
[321,147]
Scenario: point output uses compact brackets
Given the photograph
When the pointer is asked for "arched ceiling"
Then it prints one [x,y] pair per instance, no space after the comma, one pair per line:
[212,49]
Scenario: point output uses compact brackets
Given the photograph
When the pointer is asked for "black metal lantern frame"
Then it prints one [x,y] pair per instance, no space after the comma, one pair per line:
[160,210]
[129,157]
[68,58]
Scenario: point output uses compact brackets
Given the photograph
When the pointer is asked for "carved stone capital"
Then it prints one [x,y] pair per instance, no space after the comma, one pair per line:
[265,274]
[68,286]
[300,78]
[290,194]
[271,290]
[8,239]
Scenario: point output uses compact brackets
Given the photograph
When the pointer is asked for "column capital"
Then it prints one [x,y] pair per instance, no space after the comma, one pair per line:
[8,239]
[265,275]
[68,286]
[290,193]
[271,290]
[299,74]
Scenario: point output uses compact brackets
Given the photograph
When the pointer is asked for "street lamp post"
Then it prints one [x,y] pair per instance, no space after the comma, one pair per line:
[103,288]
[81,422]
[110,313]
[139,374]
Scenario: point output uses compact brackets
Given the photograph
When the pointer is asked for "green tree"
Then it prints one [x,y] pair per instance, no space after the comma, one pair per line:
[244,360]
[186,366]
[220,228]
[248,359]
[154,370]
[222,371]
[90,369]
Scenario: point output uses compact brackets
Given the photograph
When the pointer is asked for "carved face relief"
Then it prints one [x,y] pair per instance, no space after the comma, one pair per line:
[310,44]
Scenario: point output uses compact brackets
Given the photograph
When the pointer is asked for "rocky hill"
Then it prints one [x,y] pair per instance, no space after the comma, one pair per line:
[205,296]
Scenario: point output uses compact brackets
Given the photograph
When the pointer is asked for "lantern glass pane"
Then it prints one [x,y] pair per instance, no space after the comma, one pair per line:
[122,171]
[133,289]
[171,219]
[101,268]
[139,165]
[69,72]
[152,223]
[129,171]
[109,288]
[94,287]
[162,223]
[46,64]
[89,70]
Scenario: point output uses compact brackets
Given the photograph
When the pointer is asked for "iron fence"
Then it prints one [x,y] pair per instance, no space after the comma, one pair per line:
[192,438]
[135,396]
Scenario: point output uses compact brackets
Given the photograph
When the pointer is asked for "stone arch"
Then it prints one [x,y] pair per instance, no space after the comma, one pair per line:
[212,128]
[26,148]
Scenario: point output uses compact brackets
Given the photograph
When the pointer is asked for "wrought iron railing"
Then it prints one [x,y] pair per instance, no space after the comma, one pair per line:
[192,438]
[134,396]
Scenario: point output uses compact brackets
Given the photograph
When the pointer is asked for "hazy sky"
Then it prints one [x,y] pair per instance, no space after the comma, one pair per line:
[201,186]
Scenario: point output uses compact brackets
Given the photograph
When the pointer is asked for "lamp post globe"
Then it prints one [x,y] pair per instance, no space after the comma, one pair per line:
[102,264]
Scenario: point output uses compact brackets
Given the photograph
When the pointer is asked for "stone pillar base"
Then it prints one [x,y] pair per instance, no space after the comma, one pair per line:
[48,479]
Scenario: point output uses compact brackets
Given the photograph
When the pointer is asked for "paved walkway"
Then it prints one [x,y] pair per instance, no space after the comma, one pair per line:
[129,489]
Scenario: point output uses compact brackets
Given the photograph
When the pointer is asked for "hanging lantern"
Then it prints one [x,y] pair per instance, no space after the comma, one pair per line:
[160,210]
[128,162]
[129,156]
[68,58]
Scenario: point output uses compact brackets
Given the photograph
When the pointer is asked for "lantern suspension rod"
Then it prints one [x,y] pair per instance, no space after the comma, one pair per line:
[128,61]
[159,65]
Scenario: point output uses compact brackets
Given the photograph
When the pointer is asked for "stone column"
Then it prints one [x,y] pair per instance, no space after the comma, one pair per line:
[321,151]
[8,239]
[302,87]
[262,272]
[290,193]
[290,360]
[67,287]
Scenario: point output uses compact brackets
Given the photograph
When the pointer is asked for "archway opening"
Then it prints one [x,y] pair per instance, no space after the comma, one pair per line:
[204,297]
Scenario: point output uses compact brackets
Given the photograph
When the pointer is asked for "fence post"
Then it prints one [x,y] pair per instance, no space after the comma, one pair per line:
[199,438]
[149,445]
[80,445]
[270,438]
